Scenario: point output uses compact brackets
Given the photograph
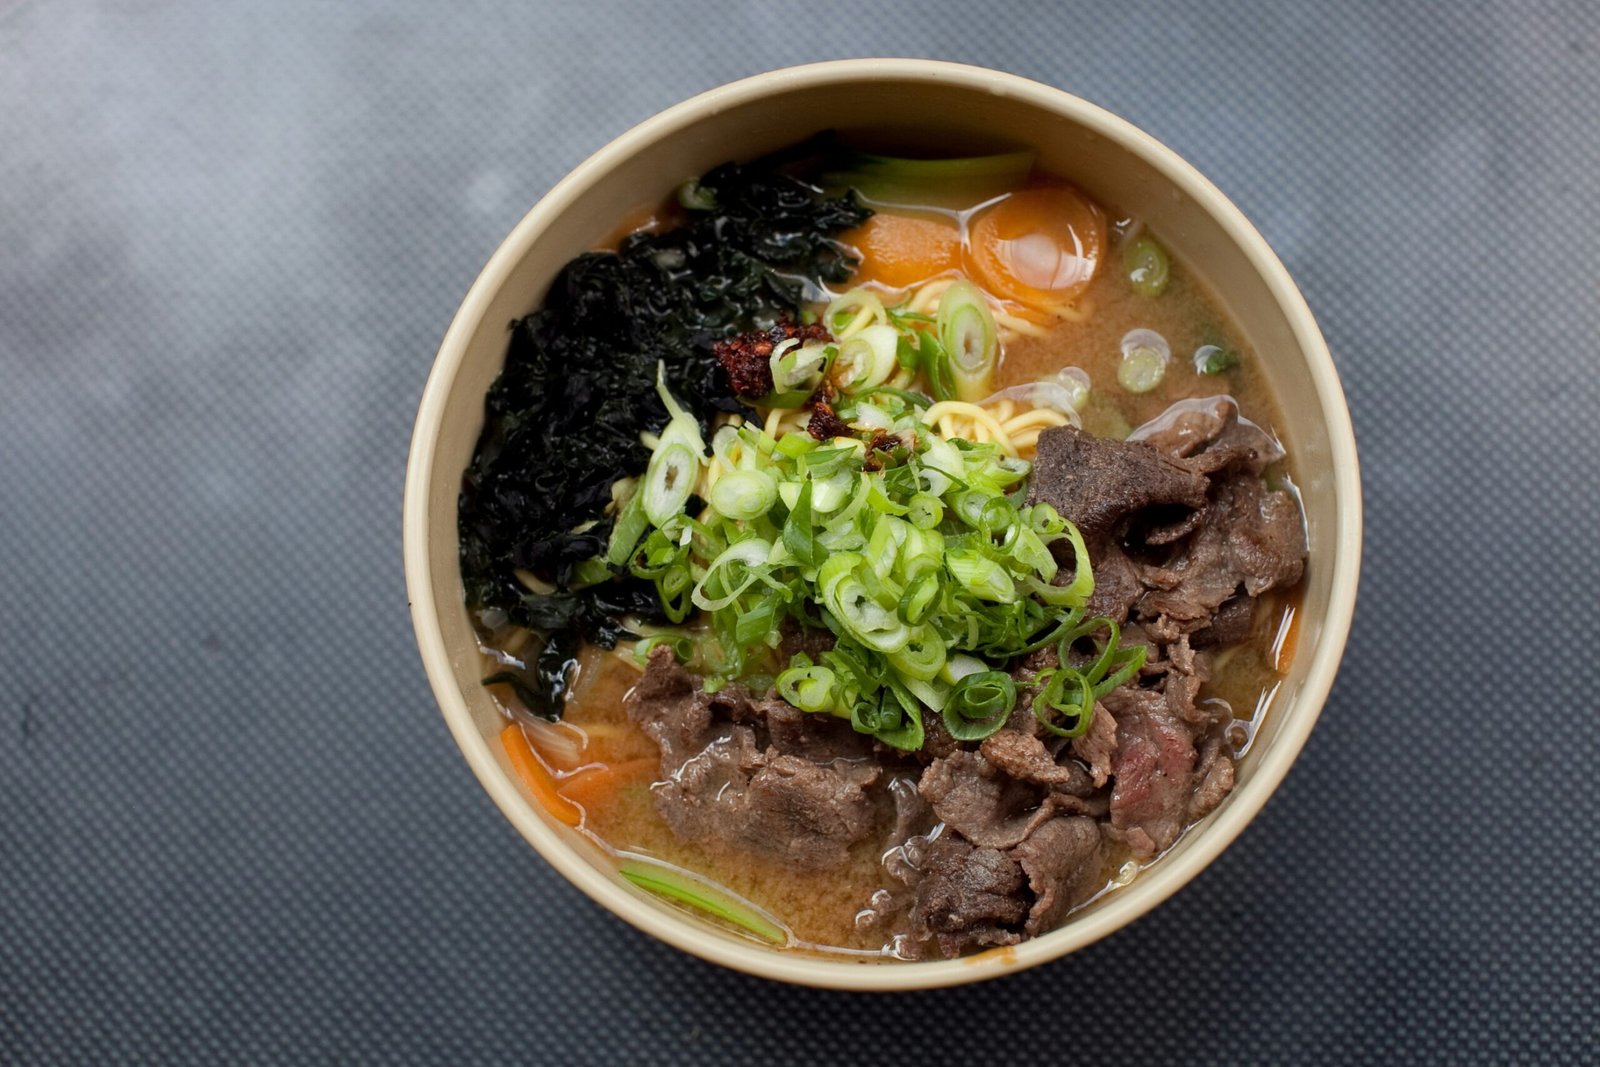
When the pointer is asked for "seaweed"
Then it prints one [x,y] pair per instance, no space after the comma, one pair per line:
[562,421]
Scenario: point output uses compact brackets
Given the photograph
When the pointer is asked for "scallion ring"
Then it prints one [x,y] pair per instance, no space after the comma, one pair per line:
[979,705]
[919,600]
[809,688]
[1051,701]
[970,339]
[744,494]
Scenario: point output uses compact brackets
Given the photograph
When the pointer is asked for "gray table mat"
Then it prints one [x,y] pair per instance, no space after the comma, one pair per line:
[232,825]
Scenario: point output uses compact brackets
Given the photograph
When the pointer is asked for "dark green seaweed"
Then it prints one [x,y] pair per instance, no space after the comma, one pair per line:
[563,419]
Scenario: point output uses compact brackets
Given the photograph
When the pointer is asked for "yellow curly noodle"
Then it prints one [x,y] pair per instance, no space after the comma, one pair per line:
[1017,433]
[1011,319]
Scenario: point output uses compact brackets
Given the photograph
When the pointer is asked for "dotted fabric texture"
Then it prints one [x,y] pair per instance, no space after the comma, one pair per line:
[233,827]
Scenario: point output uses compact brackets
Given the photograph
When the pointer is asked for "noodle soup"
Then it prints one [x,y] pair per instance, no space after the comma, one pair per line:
[896,615]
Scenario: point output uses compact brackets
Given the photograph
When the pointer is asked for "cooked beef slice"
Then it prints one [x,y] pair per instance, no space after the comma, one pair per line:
[936,740]
[795,638]
[968,897]
[816,737]
[1098,746]
[1269,533]
[1211,435]
[1154,771]
[986,806]
[1117,582]
[1183,671]
[747,774]
[1023,756]
[1064,861]
[1251,538]
[807,812]
[1098,482]
[669,705]
[1176,518]
[1232,623]
[785,807]
[694,797]
[912,815]
[1213,776]
[1248,538]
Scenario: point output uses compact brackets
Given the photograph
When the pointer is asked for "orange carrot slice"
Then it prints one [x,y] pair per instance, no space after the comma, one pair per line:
[900,251]
[536,778]
[1039,247]
[596,785]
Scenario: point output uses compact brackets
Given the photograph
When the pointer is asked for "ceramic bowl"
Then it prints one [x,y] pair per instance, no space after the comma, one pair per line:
[1109,159]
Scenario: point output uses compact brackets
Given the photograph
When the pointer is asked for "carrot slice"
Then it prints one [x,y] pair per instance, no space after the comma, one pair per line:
[593,786]
[901,250]
[536,777]
[1039,247]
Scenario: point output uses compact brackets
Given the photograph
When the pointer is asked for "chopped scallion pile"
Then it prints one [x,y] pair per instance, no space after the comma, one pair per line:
[918,556]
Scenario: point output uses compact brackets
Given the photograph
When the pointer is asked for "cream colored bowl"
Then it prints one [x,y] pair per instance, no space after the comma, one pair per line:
[1114,163]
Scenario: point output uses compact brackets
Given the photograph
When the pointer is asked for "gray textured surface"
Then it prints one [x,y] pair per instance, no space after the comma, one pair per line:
[232,826]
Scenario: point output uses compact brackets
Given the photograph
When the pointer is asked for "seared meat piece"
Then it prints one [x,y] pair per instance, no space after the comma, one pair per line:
[1251,538]
[1099,483]
[1098,745]
[968,897]
[987,807]
[1064,862]
[1023,756]
[1210,435]
[1153,770]
[758,775]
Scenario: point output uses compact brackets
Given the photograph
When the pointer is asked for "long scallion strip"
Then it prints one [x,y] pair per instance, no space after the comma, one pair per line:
[956,183]
[676,885]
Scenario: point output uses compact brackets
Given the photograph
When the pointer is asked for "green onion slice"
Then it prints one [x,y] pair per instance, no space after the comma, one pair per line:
[1053,701]
[979,704]
[970,340]
[675,884]
[867,359]
[981,576]
[808,687]
[1212,360]
[1145,355]
[744,494]
[1147,266]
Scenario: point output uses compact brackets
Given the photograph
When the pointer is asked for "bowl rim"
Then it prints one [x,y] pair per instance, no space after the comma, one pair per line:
[1164,878]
